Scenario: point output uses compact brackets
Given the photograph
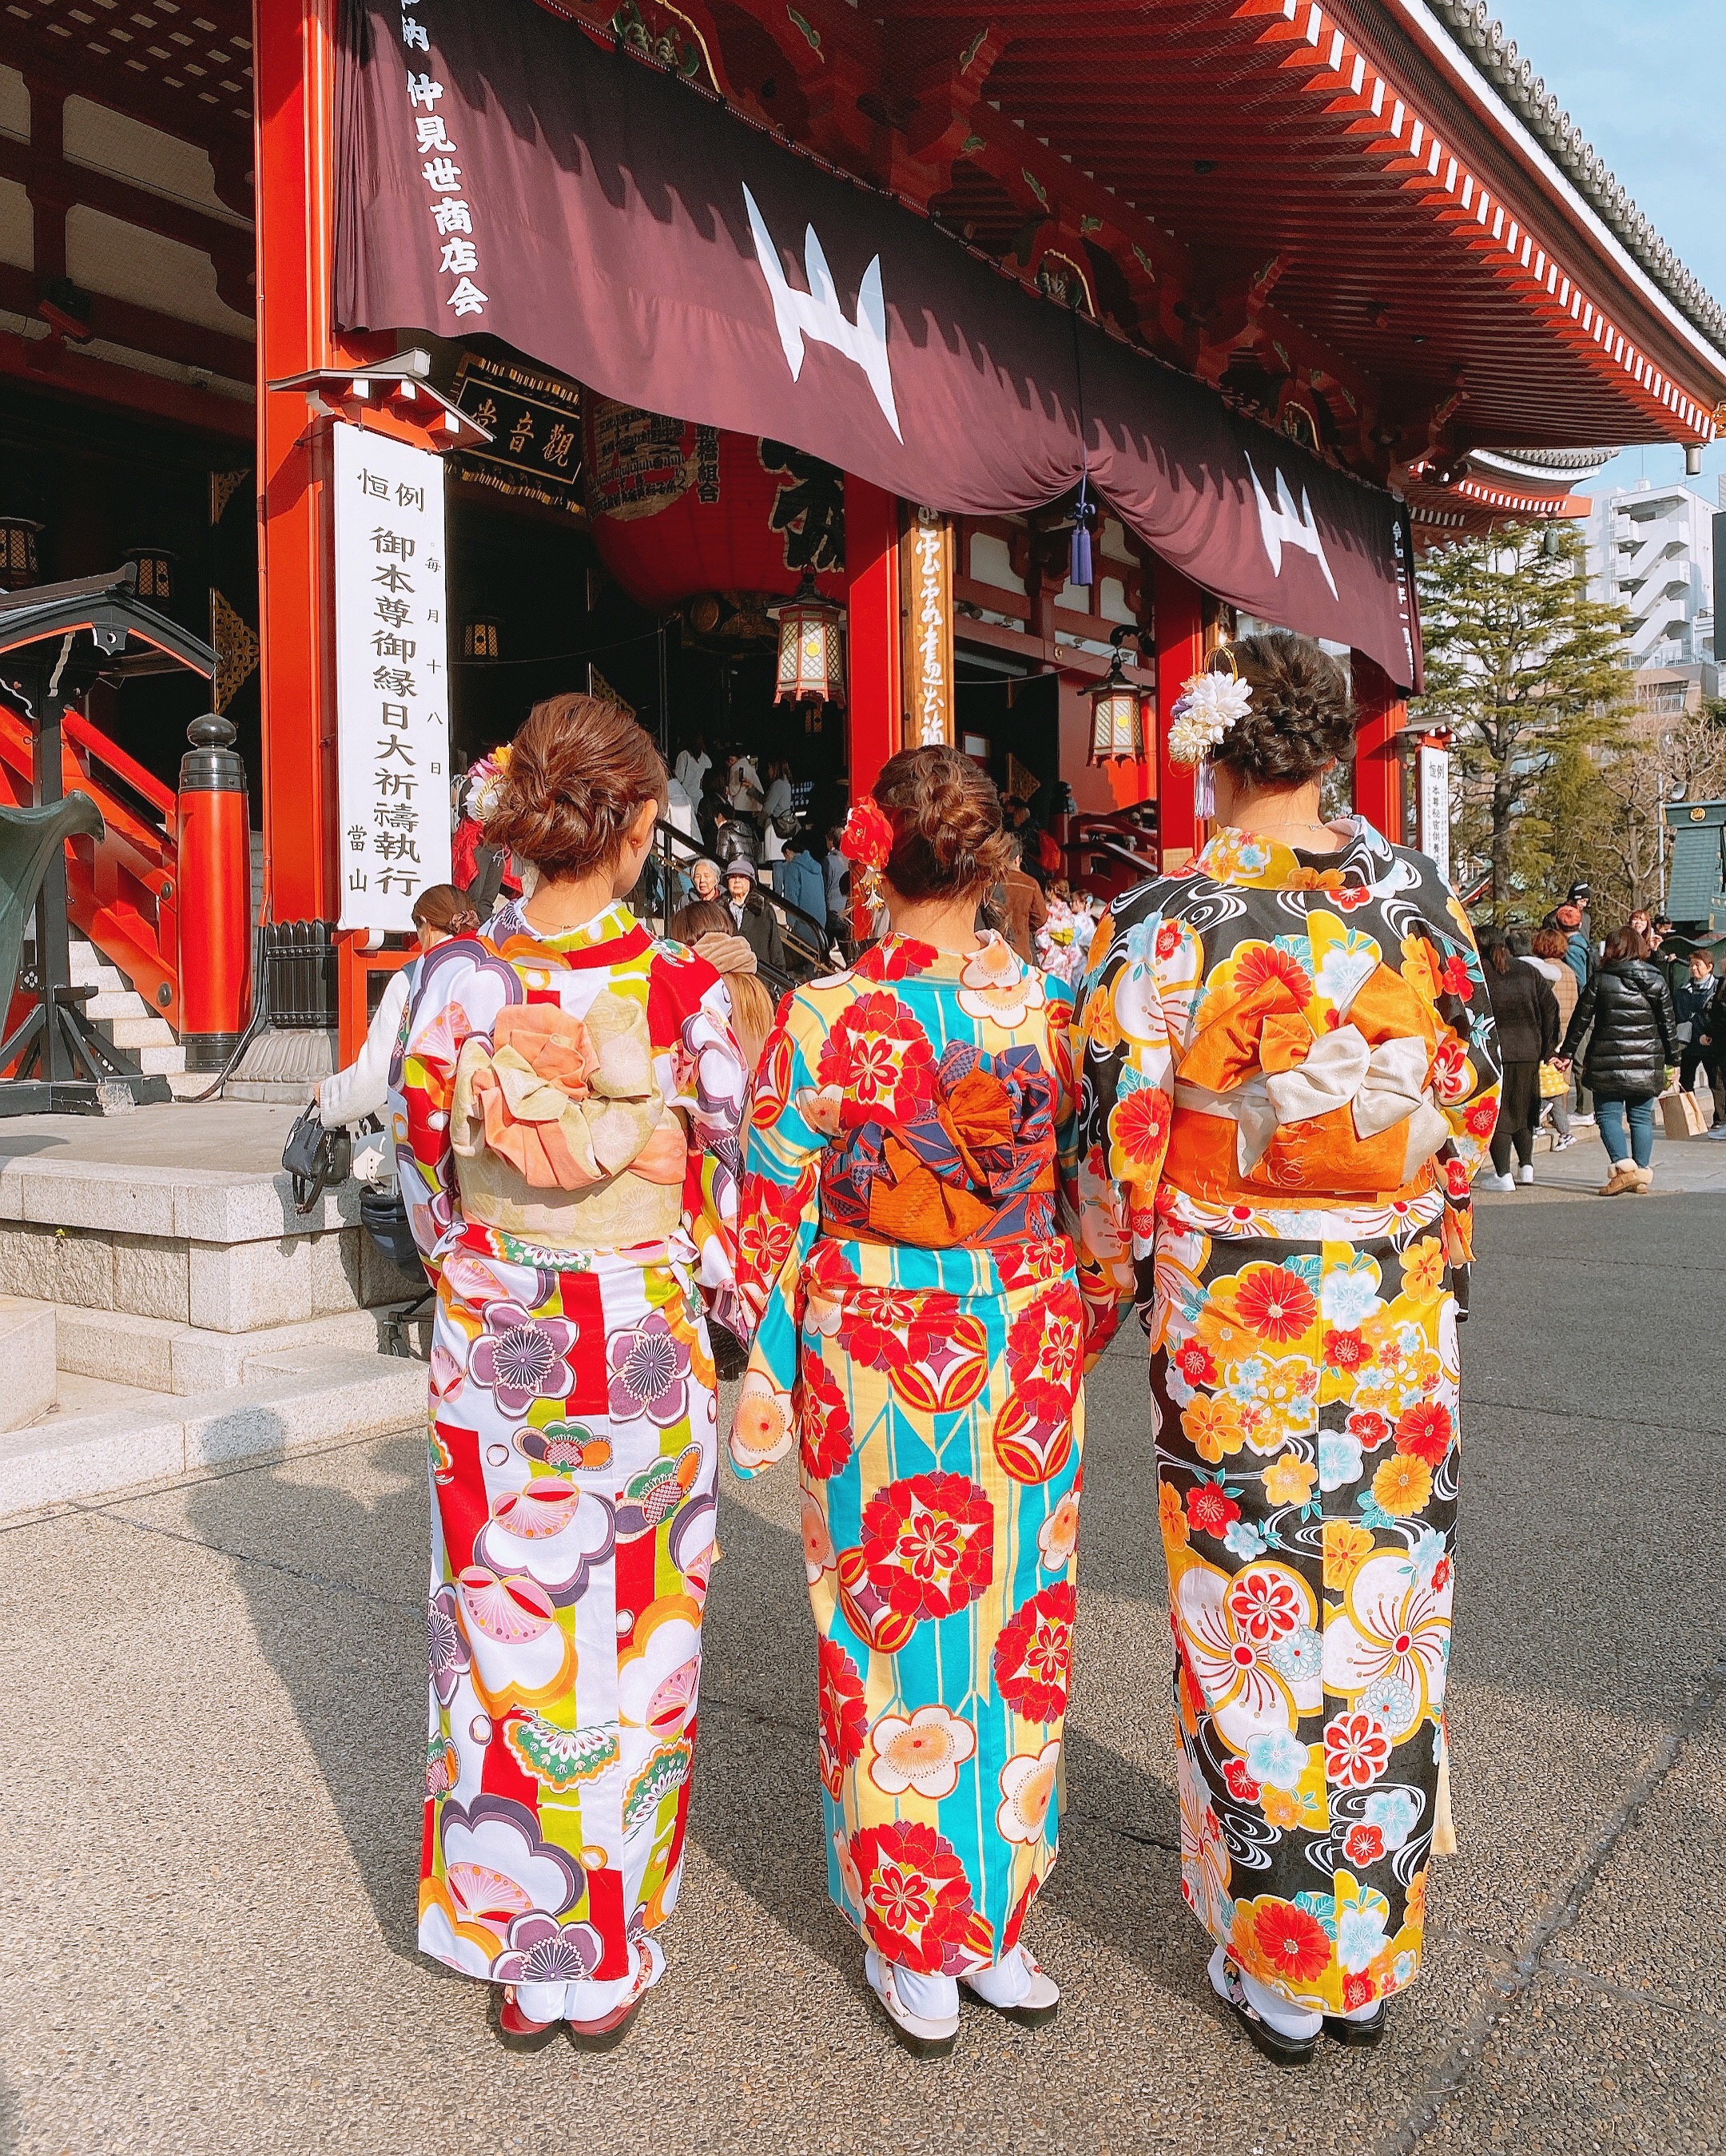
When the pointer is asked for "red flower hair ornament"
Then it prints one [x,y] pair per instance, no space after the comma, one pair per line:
[868,837]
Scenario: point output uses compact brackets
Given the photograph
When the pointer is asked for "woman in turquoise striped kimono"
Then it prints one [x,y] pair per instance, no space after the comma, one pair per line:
[920,1342]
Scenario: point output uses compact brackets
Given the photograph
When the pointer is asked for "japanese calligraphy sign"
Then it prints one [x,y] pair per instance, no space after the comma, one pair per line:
[534,420]
[926,587]
[391,677]
[1434,764]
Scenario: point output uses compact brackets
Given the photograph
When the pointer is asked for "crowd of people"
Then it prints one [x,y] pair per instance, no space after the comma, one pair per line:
[1249,1099]
[1623,1021]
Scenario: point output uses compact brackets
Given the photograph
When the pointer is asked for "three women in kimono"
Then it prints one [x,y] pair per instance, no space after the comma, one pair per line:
[1287,1076]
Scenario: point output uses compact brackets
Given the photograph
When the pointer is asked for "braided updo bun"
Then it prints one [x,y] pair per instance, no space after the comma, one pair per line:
[1302,716]
[579,771]
[946,815]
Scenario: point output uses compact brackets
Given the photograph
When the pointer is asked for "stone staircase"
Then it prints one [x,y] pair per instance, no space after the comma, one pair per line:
[162,1320]
[126,1021]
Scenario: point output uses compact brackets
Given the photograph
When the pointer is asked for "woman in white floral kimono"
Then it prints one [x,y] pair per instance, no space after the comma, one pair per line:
[567,1109]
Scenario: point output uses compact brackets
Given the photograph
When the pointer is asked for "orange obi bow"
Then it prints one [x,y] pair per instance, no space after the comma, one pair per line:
[974,1164]
[566,1101]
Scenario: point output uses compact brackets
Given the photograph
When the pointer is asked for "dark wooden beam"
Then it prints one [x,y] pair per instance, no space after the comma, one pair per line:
[164,337]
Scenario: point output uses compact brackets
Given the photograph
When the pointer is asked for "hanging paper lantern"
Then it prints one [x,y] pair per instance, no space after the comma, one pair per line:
[156,571]
[19,564]
[811,649]
[1117,717]
[679,510]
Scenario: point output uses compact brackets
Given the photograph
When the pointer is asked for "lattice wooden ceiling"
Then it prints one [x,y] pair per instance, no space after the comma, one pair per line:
[182,65]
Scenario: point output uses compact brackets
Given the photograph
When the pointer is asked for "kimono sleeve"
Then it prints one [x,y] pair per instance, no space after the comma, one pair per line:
[1466,1070]
[781,1218]
[457,994]
[709,1083]
[1127,1085]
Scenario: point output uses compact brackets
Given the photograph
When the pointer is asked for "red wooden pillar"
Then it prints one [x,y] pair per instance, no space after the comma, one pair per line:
[1380,715]
[876,716]
[1178,621]
[294,63]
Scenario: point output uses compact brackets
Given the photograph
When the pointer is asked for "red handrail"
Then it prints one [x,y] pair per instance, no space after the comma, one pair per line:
[123,890]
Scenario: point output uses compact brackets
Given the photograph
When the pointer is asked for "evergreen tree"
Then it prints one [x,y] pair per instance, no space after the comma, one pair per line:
[1527,674]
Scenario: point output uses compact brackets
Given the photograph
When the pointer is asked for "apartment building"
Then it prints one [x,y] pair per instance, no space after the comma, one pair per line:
[1651,548]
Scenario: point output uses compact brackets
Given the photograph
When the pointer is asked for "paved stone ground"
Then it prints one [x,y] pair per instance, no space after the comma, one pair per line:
[214,1705]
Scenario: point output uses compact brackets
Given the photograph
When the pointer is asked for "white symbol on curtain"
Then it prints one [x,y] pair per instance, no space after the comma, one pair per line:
[817,315]
[1286,526]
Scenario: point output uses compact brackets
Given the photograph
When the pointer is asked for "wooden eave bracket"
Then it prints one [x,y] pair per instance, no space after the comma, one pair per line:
[393,395]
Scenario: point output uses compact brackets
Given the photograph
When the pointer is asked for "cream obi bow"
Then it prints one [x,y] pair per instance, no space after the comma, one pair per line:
[1385,1085]
[566,1101]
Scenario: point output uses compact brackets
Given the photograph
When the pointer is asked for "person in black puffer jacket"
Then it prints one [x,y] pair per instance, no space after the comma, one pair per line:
[1526,1013]
[1626,1010]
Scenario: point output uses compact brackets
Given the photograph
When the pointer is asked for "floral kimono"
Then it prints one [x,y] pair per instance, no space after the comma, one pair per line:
[1290,1077]
[920,1339]
[568,1118]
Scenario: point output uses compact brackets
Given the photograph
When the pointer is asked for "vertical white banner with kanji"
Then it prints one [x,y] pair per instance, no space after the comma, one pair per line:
[1434,765]
[391,677]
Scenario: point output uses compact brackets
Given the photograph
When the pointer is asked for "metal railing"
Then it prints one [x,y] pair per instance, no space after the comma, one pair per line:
[666,887]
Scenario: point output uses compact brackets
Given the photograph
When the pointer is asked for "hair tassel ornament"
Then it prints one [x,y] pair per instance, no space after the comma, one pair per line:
[1207,706]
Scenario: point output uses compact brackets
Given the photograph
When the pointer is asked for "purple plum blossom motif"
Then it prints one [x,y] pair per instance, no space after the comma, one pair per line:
[519,1359]
[649,1374]
[543,1951]
[446,1643]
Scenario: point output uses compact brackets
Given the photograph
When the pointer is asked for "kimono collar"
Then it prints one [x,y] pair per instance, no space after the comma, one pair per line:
[1244,857]
[615,927]
[895,957]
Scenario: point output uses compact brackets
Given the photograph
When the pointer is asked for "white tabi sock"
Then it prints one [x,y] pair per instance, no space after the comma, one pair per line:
[540,2002]
[930,1998]
[1004,1983]
[1285,2019]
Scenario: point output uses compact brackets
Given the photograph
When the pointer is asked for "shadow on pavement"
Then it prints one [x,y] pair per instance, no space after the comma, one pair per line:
[351,1659]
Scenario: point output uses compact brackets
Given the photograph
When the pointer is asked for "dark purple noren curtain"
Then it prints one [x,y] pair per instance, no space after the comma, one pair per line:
[510,175]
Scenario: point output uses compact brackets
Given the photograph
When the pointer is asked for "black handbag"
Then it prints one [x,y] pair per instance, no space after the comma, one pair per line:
[316,1158]
[384,1217]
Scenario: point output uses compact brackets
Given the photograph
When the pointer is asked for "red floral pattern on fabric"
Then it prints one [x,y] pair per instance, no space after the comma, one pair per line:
[1425,1431]
[843,1716]
[928,1543]
[1262,965]
[1034,1655]
[880,1057]
[1277,1303]
[824,1432]
[895,958]
[1211,1510]
[1140,1123]
[917,1902]
[1046,1353]
[1291,1940]
[768,1213]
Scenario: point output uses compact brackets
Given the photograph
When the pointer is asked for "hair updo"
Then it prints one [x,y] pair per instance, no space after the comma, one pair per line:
[579,773]
[1301,717]
[946,815]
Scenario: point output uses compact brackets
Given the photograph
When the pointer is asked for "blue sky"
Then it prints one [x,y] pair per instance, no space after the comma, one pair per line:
[1645,81]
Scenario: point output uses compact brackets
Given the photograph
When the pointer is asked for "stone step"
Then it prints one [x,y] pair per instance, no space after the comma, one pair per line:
[168,1358]
[295,1401]
[26,1348]
[144,1030]
[116,1002]
[224,1251]
[165,1062]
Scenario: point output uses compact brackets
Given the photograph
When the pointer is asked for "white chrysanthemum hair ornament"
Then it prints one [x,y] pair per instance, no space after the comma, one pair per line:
[485,784]
[1207,706]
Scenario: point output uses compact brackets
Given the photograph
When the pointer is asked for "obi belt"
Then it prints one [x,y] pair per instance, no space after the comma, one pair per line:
[561,1134]
[1265,1100]
[972,1166]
